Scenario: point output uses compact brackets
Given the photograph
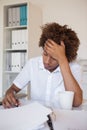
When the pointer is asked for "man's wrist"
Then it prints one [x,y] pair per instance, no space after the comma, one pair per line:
[63,61]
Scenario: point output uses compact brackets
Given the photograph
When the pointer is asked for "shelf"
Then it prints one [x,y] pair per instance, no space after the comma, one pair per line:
[10,72]
[15,41]
[15,50]
[15,27]
[18,38]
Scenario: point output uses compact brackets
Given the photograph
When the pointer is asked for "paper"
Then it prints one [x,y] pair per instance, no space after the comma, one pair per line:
[70,120]
[26,117]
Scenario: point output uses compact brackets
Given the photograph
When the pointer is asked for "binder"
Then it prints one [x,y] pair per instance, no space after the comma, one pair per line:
[9,17]
[8,62]
[25,14]
[21,15]
[14,39]
[19,36]
[17,39]
[14,16]
[18,61]
[17,16]
[23,59]
[23,38]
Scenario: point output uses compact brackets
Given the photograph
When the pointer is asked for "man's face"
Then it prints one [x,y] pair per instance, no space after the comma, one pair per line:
[49,63]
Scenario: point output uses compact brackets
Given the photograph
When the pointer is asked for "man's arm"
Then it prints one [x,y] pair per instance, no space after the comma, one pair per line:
[70,83]
[10,99]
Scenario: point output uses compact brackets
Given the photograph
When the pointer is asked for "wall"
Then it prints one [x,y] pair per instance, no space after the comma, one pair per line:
[1,56]
[72,13]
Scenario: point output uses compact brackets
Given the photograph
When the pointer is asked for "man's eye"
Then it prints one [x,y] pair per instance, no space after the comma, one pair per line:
[45,53]
[52,58]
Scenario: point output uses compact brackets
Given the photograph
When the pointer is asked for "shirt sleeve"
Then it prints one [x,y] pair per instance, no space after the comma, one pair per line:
[24,76]
[77,73]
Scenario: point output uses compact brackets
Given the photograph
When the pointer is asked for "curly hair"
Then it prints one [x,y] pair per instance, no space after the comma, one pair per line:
[60,33]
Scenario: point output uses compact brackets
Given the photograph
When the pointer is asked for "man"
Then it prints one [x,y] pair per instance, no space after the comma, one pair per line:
[56,70]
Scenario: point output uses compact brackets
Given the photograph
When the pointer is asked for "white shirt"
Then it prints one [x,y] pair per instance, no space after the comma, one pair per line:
[45,85]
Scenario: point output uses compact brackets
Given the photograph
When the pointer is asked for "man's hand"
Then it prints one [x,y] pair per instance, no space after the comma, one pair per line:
[10,99]
[55,51]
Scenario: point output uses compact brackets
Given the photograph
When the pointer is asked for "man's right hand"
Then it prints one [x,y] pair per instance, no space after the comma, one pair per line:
[10,100]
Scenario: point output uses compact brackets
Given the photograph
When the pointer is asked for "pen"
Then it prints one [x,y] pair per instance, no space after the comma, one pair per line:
[0,103]
[49,122]
[16,105]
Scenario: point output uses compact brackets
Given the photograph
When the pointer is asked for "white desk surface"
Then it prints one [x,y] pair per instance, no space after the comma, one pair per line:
[82,107]
[74,119]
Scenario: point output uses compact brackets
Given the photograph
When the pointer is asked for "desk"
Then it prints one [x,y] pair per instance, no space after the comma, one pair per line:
[30,115]
[75,119]
[67,119]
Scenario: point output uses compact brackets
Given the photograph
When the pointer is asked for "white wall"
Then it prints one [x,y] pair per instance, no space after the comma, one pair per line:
[72,13]
[1,56]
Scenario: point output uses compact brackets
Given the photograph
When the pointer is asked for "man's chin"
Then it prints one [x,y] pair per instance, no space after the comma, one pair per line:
[48,68]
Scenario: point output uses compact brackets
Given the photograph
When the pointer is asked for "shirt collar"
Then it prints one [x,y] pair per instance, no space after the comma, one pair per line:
[41,65]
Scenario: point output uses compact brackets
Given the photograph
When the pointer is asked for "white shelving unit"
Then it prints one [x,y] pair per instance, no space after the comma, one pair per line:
[34,20]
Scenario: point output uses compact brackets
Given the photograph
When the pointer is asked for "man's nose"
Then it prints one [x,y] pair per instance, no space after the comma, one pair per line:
[48,60]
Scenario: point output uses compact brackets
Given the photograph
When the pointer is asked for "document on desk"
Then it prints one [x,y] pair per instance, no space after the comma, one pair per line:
[70,120]
[27,117]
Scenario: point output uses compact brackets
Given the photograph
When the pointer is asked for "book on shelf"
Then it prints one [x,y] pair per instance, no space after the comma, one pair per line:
[23,15]
[19,39]
[8,62]
[17,15]
[10,17]
[14,16]
[17,61]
